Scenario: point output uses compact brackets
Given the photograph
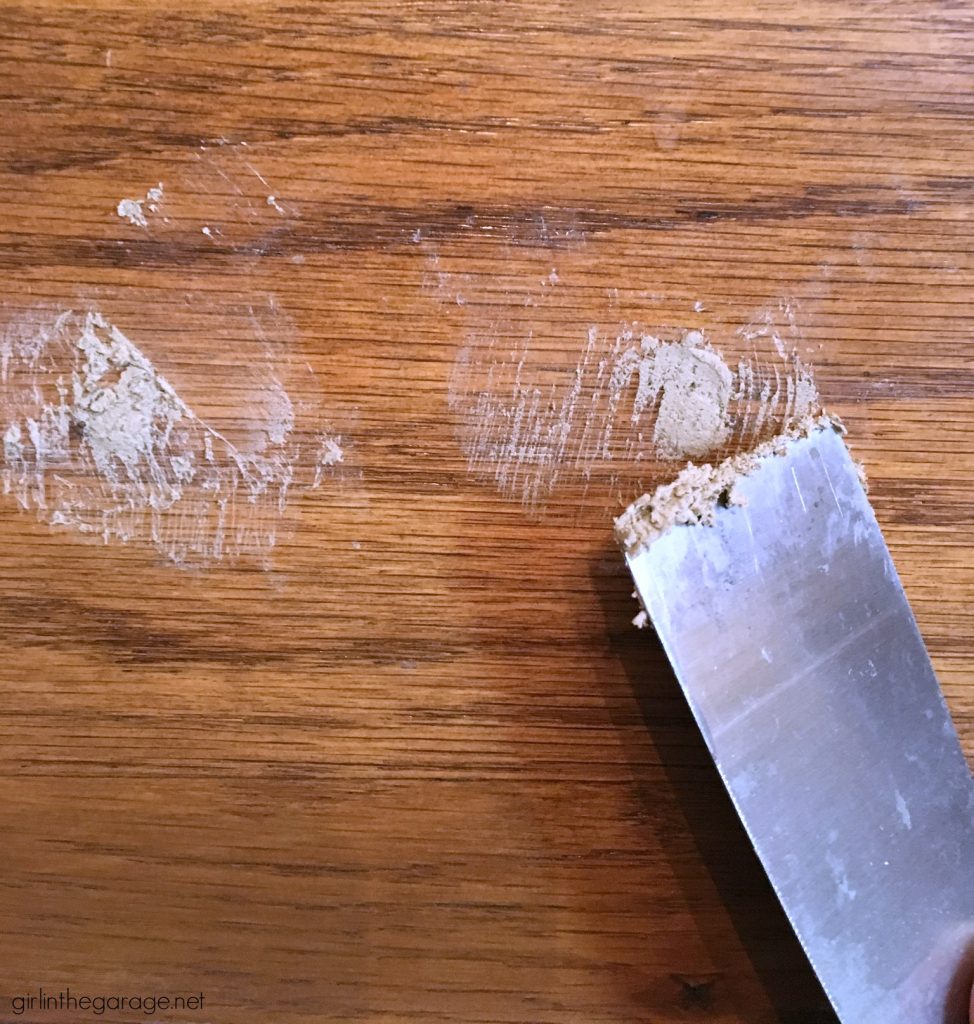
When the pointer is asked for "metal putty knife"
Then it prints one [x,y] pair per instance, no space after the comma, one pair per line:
[791,636]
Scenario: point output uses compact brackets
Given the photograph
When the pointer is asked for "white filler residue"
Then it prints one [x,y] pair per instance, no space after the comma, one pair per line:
[330,453]
[134,210]
[97,440]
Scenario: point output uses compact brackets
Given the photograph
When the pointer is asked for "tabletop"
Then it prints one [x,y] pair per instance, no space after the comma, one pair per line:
[321,699]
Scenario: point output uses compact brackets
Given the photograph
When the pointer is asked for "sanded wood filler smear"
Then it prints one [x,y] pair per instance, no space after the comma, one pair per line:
[95,439]
[634,400]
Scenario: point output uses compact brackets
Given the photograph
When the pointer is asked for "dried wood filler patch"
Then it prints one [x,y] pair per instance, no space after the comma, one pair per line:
[692,385]
[97,440]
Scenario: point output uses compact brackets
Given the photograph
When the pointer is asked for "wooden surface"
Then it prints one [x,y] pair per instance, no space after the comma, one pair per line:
[413,763]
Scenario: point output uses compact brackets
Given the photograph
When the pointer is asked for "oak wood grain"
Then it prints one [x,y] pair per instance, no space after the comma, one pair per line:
[413,763]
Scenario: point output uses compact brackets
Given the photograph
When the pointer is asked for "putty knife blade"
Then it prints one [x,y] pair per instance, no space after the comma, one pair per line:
[792,638]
